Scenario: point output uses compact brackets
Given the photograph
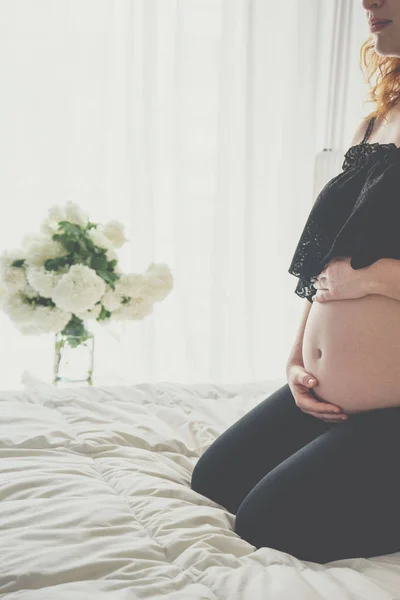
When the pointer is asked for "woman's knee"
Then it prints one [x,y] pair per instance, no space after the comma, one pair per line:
[199,477]
[258,526]
[204,480]
[245,525]
[263,510]
[279,513]
[279,528]
[209,479]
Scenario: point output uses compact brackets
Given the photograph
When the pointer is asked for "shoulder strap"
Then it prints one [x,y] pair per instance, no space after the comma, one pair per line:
[369,129]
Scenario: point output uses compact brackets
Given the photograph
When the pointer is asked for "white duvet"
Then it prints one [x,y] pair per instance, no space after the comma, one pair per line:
[96,503]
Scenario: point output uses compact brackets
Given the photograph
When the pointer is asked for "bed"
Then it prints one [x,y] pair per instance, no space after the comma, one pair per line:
[96,503]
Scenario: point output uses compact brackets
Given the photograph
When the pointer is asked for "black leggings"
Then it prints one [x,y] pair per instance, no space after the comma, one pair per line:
[318,491]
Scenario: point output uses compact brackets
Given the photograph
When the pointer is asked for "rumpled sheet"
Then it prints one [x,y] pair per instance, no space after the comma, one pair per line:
[96,503]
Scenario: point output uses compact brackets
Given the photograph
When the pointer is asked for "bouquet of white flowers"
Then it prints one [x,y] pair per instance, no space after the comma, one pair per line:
[69,274]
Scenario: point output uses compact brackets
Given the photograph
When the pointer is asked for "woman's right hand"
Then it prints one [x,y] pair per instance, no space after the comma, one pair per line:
[300,386]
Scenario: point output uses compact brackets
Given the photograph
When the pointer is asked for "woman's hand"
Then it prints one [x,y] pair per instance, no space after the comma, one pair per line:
[339,281]
[299,383]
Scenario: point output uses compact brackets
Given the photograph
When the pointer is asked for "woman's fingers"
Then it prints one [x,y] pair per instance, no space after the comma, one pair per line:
[309,404]
[328,417]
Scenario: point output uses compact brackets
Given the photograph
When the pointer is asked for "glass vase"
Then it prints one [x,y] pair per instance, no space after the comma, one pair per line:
[73,358]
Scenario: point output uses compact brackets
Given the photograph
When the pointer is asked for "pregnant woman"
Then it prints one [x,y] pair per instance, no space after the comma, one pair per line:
[314,469]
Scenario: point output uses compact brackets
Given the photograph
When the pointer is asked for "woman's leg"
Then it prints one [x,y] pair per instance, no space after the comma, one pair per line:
[337,497]
[242,455]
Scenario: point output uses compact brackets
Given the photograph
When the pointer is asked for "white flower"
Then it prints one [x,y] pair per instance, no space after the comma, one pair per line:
[142,290]
[43,281]
[70,212]
[27,239]
[111,255]
[131,285]
[89,314]
[4,294]
[14,279]
[79,289]
[100,240]
[76,215]
[17,308]
[7,257]
[27,328]
[55,214]
[37,320]
[49,319]
[114,231]
[134,310]
[111,300]
[159,281]
[28,291]
[41,248]
[32,319]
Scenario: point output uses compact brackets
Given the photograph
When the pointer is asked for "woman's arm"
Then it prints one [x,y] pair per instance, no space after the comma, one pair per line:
[296,354]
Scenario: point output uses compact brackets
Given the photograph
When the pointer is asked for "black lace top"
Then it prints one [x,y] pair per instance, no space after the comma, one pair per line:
[357,214]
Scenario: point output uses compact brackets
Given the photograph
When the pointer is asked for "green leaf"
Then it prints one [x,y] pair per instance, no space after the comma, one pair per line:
[57,264]
[104,314]
[81,249]
[78,258]
[38,301]
[75,332]
[18,263]
[108,277]
[92,246]
[73,237]
[72,229]
[71,245]
[74,342]
[99,262]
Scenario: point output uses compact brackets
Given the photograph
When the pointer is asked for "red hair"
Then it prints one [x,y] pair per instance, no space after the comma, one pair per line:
[386,91]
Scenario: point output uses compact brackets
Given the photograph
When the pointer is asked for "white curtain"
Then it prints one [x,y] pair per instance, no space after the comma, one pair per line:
[198,123]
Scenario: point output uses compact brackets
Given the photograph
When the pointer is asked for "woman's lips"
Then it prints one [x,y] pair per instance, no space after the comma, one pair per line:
[379,26]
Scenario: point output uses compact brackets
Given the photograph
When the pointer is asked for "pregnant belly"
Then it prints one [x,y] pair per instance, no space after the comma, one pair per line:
[352,347]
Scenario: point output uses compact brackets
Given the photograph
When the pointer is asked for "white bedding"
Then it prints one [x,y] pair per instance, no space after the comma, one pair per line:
[96,503]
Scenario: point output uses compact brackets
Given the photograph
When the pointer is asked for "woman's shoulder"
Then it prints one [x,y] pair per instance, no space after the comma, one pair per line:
[360,131]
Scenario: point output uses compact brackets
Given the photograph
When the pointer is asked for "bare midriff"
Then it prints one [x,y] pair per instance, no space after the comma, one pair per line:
[352,347]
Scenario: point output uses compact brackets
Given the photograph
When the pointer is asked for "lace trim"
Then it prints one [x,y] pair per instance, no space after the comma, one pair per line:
[361,154]
[318,242]
[305,288]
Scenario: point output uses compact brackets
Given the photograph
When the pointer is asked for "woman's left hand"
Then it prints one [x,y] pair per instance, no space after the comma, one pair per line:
[339,281]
